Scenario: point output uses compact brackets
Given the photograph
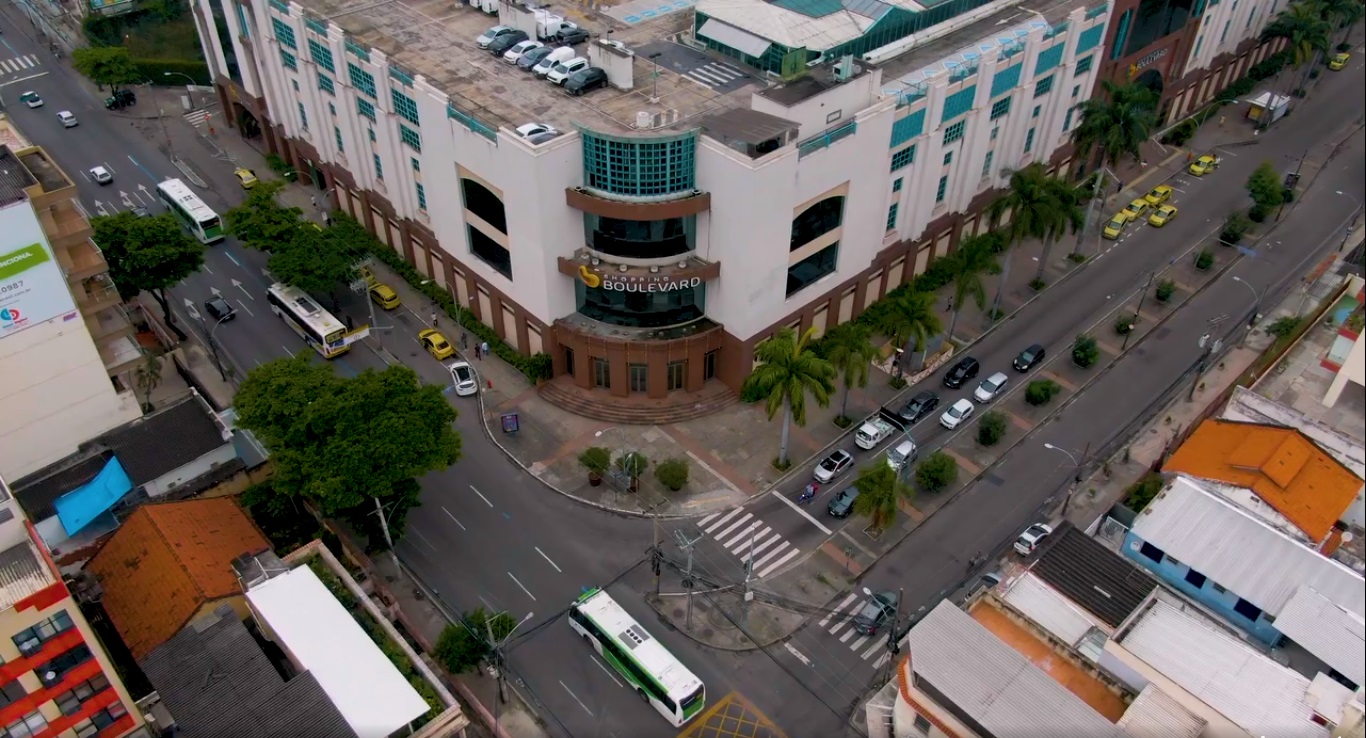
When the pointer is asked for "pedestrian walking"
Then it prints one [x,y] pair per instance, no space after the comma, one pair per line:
[1221,121]
[464,341]
[484,348]
[476,352]
[327,219]
[313,200]
[434,319]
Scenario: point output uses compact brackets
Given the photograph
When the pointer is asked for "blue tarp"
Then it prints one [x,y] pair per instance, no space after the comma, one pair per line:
[80,507]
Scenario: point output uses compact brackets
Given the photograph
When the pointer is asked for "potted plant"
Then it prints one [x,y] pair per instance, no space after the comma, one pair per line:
[597,460]
[632,464]
[672,473]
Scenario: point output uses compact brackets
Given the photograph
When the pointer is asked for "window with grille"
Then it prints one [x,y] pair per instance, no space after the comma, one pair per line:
[70,701]
[1083,65]
[410,137]
[283,33]
[289,60]
[986,164]
[1000,107]
[379,167]
[325,84]
[322,56]
[903,157]
[303,117]
[421,197]
[332,109]
[891,216]
[92,725]
[417,165]
[896,186]
[1043,86]
[361,79]
[678,374]
[336,133]
[954,132]
[1029,141]
[1067,121]
[942,189]
[405,106]
[948,158]
[366,109]
[25,727]
[640,167]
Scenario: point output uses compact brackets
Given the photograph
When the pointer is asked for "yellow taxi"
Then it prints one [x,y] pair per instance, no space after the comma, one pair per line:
[1159,195]
[245,177]
[1115,227]
[1204,165]
[1135,210]
[1339,61]
[384,295]
[1163,216]
[436,344]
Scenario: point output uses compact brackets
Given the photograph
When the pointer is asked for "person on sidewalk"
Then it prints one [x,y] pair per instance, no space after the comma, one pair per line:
[464,341]
[484,348]
[476,351]
[434,325]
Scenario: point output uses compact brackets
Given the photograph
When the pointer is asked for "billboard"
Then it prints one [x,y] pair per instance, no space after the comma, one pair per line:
[32,287]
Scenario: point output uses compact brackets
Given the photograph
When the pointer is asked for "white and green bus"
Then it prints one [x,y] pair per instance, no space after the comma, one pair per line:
[650,669]
[319,328]
[202,221]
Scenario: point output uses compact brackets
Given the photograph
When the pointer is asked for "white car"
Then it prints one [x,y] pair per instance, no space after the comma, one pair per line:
[101,175]
[488,37]
[991,387]
[837,463]
[67,119]
[1029,541]
[32,99]
[462,376]
[521,47]
[527,130]
[957,414]
[564,69]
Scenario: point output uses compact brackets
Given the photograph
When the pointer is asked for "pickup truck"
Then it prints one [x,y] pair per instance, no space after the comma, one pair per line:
[878,428]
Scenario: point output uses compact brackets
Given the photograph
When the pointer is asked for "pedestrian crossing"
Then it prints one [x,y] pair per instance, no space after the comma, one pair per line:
[197,117]
[18,63]
[746,536]
[840,623]
[715,74]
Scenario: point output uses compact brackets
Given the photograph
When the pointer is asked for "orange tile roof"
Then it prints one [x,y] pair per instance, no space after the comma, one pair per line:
[1291,473]
[166,561]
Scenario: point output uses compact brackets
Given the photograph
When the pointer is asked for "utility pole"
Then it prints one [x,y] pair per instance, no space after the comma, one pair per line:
[1139,310]
[1091,209]
[893,644]
[749,593]
[384,526]
[687,546]
[1076,480]
[1207,347]
[656,559]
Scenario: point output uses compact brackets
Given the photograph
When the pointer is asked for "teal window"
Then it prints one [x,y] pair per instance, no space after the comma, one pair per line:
[421,197]
[332,109]
[908,127]
[379,167]
[283,33]
[1067,122]
[1224,36]
[336,134]
[410,137]
[1090,38]
[325,84]
[954,132]
[366,109]
[891,216]
[903,158]
[1029,141]
[896,186]
[1006,80]
[1084,65]
[1121,34]
[1043,86]
[994,132]
[242,19]
[288,60]
[1049,59]
[372,135]
[1198,43]
[295,84]
[1000,107]
[948,158]
[405,106]
[1076,90]
[417,165]
[942,189]
[361,79]
[958,103]
[986,164]
[322,56]
[279,6]
[303,117]
[1037,109]
[640,167]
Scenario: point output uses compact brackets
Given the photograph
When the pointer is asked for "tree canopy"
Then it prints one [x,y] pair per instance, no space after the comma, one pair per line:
[151,254]
[340,441]
[301,255]
[106,65]
[787,371]
[261,222]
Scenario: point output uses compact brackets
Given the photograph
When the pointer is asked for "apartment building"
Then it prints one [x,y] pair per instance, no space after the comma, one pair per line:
[66,348]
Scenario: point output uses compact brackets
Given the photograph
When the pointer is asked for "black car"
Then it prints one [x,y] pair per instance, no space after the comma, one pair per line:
[960,373]
[120,99]
[1029,358]
[843,503]
[219,309]
[506,41]
[875,613]
[919,406]
[571,36]
[584,80]
[530,59]
[140,212]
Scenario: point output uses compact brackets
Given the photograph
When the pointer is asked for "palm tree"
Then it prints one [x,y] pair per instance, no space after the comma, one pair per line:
[1343,13]
[1306,29]
[910,320]
[788,370]
[1040,207]
[1115,124]
[849,348]
[879,492]
[976,255]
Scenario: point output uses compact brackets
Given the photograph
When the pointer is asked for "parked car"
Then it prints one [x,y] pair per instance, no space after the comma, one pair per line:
[1135,210]
[551,60]
[527,130]
[586,80]
[961,373]
[565,69]
[462,376]
[491,35]
[1204,165]
[101,175]
[1029,540]
[384,296]
[120,99]
[436,344]
[514,54]
[991,387]
[31,99]
[500,45]
[532,57]
[1029,358]
[843,503]
[1115,227]
[957,414]
[1162,216]
[219,309]
[836,463]
[875,613]
[571,36]
[919,406]
[1159,195]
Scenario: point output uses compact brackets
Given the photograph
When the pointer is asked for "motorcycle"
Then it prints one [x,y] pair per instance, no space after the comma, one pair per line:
[808,494]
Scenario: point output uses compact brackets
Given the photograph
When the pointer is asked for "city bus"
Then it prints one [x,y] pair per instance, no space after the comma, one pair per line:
[315,325]
[641,660]
[202,221]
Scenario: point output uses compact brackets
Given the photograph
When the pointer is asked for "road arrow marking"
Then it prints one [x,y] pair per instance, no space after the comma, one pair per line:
[190,308]
[215,292]
[99,207]
[239,286]
[800,656]
[127,201]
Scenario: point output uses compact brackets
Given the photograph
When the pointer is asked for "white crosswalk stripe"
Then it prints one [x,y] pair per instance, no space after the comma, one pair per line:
[196,117]
[18,63]
[715,74]
[747,537]
[839,622]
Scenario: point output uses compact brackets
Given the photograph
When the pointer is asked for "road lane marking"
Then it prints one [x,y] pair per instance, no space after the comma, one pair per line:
[886,656]
[110,167]
[607,671]
[452,517]
[847,635]
[703,522]
[798,654]
[874,649]
[801,512]
[771,567]
[772,540]
[231,259]
[722,521]
[852,596]
[751,540]
[856,645]
[523,586]
[576,699]
[548,560]
[243,305]
[744,535]
[776,550]
[418,533]
[481,496]
[733,526]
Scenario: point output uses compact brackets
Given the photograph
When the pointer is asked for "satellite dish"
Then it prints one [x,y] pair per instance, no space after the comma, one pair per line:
[1348,537]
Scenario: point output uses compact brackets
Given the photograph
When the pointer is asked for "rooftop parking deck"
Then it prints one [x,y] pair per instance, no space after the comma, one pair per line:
[436,39]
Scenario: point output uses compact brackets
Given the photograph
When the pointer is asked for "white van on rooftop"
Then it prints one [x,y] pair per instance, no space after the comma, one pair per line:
[562,54]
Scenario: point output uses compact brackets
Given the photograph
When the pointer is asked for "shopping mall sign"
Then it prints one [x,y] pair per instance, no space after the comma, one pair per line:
[637,283]
[32,290]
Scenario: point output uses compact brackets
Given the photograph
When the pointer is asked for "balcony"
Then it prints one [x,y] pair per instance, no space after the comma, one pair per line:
[96,294]
[109,324]
[120,355]
[52,183]
[82,260]
[64,224]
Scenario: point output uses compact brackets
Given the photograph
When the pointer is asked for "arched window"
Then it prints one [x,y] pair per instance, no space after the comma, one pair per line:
[481,201]
[816,221]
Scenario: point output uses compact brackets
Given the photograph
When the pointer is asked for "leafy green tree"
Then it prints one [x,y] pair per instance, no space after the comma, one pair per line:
[1040,206]
[1085,351]
[148,254]
[263,223]
[1041,392]
[788,371]
[672,473]
[849,348]
[975,257]
[341,441]
[1115,123]
[991,428]
[1306,29]
[1343,14]
[106,65]
[880,493]
[632,464]
[910,320]
[312,262]
[937,471]
[1264,185]
[464,644]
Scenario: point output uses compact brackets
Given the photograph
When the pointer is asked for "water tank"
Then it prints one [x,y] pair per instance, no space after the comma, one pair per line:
[643,119]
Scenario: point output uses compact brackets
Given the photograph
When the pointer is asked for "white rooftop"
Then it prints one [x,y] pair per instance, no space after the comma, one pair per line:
[1054,612]
[1232,547]
[321,635]
[1334,635]
[1232,677]
[1248,406]
[1155,714]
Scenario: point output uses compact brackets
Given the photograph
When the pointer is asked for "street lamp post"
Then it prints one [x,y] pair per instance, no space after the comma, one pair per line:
[1076,477]
[213,348]
[1207,347]
[1256,305]
[1348,233]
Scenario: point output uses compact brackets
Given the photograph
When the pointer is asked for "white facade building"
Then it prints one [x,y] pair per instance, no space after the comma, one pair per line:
[669,228]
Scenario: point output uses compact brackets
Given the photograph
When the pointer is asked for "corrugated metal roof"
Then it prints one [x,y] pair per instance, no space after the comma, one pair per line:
[1334,635]
[1156,715]
[1252,691]
[992,683]
[1050,610]
[21,573]
[1240,553]
[1093,576]
[786,27]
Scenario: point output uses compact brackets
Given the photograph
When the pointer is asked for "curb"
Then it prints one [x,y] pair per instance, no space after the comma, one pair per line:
[650,600]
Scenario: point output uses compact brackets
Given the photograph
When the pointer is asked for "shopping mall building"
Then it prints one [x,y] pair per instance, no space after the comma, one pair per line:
[752,166]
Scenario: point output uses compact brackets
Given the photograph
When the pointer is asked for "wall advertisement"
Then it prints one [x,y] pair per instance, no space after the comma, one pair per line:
[32,287]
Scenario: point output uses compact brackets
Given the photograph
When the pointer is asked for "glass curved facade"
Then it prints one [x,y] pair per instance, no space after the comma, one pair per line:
[816,221]
[640,239]
[632,167]
[641,309]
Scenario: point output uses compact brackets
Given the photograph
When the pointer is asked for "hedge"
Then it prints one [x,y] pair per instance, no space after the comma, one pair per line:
[536,368]
[155,70]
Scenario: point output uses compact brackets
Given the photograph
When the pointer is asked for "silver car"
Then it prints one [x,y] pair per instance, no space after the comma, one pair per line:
[991,387]
[837,463]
